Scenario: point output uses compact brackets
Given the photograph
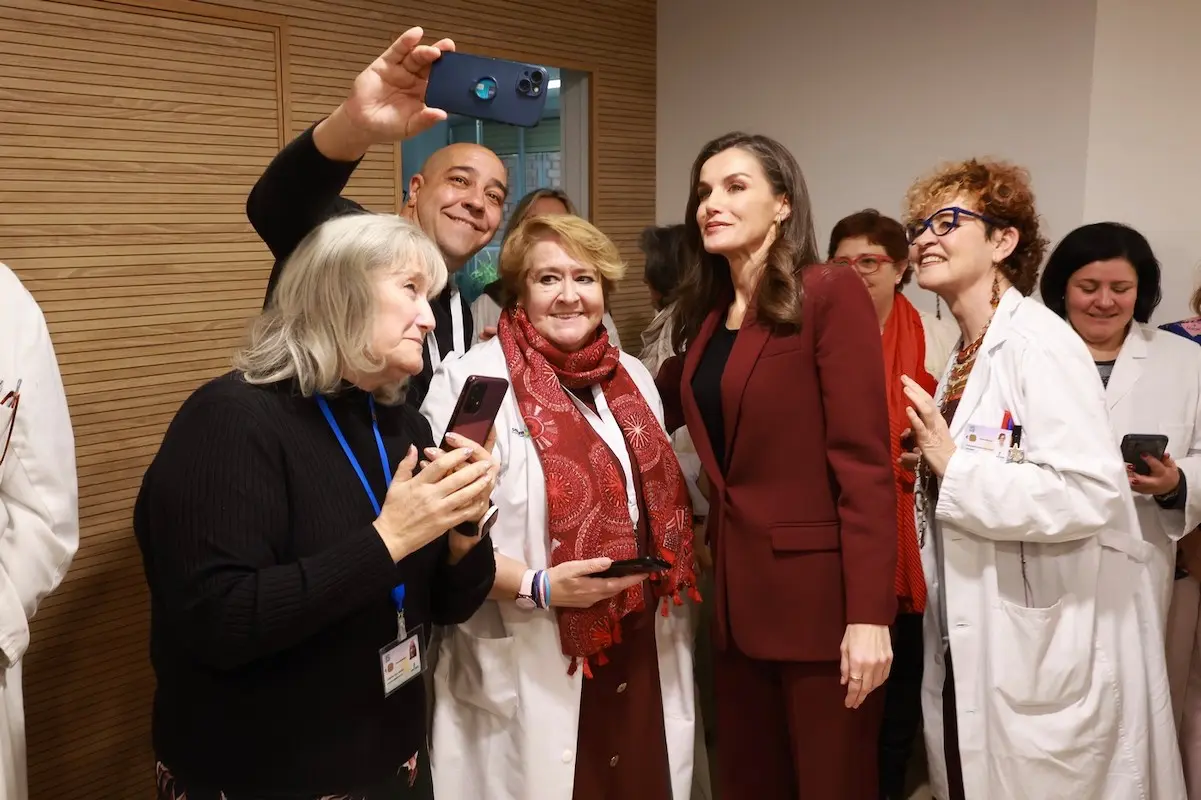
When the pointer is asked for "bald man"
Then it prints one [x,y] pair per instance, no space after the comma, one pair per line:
[457,198]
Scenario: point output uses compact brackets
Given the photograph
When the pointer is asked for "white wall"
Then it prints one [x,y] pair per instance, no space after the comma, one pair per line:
[869,94]
[1144,148]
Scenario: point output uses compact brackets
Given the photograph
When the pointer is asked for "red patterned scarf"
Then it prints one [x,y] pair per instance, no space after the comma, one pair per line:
[904,342]
[587,510]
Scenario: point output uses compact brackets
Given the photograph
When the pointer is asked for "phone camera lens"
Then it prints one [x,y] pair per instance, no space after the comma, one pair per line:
[524,85]
[475,398]
[536,77]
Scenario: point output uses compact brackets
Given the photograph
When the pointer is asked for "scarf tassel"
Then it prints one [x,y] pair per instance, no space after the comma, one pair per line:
[575,665]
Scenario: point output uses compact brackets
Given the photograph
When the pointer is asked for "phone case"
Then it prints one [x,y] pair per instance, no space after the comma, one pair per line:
[476,409]
[1136,445]
[488,88]
[634,566]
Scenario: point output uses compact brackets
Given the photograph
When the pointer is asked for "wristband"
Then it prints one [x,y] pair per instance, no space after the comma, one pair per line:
[527,599]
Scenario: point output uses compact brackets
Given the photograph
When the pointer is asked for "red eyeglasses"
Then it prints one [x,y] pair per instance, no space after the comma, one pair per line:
[865,263]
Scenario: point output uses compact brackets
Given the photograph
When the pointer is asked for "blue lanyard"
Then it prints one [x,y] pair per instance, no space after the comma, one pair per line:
[354,462]
[398,594]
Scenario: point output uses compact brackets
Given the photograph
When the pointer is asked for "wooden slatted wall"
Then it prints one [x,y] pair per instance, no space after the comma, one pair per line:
[130,133]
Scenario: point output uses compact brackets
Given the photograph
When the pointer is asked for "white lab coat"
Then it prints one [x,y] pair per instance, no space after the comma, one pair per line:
[39,505]
[506,713]
[1155,387]
[1060,682]
[485,313]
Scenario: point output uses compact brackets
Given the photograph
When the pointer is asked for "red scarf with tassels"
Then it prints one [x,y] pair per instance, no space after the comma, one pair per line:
[587,510]
[904,342]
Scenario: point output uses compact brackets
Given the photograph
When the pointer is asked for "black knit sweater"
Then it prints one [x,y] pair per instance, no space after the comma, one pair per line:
[270,594]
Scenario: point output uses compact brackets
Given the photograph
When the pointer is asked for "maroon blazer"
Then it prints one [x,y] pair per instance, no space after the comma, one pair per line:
[802,520]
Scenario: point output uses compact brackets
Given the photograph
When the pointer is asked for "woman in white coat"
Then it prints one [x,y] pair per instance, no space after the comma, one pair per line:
[39,502]
[566,686]
[1044,673]
[1104,280]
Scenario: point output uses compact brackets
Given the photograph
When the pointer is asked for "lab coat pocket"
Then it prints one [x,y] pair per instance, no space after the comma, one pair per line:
[1178,440]
[483,672]
[1042,654]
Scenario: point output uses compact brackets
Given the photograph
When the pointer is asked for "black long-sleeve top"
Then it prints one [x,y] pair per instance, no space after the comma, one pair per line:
[301,189]
[270,593]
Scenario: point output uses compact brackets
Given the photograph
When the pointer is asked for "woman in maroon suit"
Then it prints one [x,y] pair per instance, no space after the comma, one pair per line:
[782,388]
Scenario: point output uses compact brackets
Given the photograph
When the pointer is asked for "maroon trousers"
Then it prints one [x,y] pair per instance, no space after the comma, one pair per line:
[784,733]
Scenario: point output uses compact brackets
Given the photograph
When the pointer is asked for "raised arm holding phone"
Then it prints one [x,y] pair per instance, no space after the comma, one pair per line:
[457,198]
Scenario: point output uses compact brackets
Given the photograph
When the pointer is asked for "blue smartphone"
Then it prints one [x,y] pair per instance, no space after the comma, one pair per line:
[488,88]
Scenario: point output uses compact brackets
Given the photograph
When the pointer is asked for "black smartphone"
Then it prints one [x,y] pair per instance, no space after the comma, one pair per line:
[909,442]
[488,88]
[1137,445]
[633,566]
[476,409]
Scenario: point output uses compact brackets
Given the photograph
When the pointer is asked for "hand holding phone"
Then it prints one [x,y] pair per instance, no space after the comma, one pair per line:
[387,102]
[577,584]
[488,88]
[1137,445]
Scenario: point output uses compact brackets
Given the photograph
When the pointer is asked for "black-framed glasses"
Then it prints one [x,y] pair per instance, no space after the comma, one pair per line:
[945,220]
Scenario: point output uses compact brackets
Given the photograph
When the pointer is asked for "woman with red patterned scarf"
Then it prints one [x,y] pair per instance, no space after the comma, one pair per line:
[916,344]
[567,686]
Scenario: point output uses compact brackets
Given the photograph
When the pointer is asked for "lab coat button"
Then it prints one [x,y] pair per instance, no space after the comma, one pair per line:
[567,754]
[613,761]
[621,688]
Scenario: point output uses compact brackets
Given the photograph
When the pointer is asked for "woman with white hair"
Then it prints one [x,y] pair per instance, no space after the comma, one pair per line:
[295,561]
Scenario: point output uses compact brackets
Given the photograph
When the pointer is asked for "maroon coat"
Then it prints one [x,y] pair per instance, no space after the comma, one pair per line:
[803,519]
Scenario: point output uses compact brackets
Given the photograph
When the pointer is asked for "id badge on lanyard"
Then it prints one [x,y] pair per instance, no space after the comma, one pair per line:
[400,659]
[458,339]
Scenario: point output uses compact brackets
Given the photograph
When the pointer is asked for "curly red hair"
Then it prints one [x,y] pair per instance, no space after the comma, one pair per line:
[998,189]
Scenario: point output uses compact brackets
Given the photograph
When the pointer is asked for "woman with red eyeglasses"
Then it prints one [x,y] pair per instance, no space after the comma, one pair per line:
[916,344]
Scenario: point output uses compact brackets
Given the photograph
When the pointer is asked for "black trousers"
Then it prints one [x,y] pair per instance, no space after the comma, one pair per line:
[950,733]
[902,706]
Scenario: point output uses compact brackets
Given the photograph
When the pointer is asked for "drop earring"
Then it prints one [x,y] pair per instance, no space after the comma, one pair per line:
[996,288]
[937,307]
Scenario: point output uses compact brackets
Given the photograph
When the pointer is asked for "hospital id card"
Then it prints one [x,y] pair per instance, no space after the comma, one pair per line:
[401,661]
[985,439]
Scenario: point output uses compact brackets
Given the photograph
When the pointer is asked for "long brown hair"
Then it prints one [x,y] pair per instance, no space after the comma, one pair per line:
[706,280]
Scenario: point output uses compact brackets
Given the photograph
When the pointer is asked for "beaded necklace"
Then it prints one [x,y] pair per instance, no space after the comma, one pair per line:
[957,378]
